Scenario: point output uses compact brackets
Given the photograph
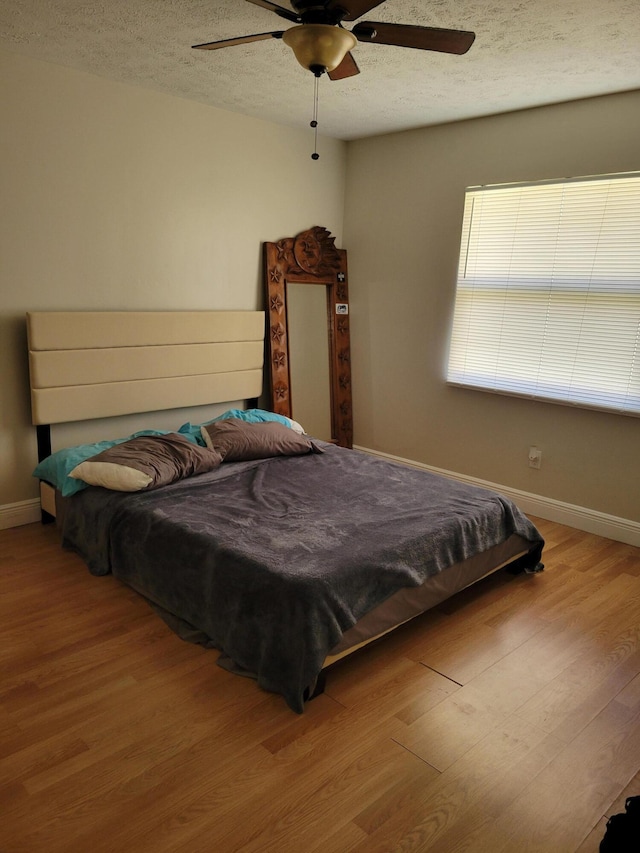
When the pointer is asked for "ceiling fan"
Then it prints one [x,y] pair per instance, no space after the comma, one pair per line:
[321,44]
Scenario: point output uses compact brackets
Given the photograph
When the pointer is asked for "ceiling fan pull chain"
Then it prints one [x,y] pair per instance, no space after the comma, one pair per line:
[314,123]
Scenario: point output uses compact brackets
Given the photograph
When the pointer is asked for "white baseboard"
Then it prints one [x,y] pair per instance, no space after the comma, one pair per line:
[610,526]
[24,512]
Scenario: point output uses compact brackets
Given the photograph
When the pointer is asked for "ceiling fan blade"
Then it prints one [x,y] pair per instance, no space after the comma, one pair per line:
[214,45]
[279,10]
[408,35]
[354,8]
[347,68]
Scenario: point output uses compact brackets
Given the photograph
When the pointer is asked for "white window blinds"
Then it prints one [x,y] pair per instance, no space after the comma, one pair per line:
[548,294]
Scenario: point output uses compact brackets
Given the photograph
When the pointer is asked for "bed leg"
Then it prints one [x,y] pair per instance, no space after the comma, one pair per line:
[317,688]
[43,437]
[529,563]
[518,568]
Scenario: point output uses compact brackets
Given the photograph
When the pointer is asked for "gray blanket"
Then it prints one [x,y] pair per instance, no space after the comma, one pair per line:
[272,561]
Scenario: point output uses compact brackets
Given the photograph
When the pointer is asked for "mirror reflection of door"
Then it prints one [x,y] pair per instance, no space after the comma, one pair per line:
[309,358]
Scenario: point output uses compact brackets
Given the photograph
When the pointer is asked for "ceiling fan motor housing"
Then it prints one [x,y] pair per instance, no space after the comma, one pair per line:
[315,12]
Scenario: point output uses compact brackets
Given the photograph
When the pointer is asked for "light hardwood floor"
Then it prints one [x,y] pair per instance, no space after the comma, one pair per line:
[507,719]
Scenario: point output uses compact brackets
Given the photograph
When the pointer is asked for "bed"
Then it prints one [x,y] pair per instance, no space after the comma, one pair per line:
[285,553]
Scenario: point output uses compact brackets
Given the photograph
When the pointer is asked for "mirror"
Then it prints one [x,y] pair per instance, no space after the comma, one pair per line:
[309,364]
[308,348]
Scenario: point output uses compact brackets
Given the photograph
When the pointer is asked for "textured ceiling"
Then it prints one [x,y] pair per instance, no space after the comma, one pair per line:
[527,53]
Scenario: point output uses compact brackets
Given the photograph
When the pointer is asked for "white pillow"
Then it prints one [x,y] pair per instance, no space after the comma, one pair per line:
[109,475]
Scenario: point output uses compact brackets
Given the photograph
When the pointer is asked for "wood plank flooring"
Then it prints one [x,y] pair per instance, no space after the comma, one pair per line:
[507,719]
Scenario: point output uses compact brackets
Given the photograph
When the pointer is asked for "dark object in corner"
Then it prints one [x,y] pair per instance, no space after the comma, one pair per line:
[529,563]
[623,830]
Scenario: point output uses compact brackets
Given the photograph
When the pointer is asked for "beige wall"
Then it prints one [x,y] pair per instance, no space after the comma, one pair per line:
[405,196]
[115,197]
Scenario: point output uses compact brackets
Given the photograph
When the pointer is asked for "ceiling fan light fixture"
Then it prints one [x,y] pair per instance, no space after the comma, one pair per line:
[319,47]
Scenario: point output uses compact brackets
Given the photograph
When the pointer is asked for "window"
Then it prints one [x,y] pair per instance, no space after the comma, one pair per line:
[548,294]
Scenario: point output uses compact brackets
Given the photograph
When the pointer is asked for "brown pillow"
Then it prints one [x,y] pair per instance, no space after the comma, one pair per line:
[146,462]
[236,440]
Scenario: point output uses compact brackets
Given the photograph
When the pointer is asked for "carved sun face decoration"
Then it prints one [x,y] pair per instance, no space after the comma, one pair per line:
[315,252]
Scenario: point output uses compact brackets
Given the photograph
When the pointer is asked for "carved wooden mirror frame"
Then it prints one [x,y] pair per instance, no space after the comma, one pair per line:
[310,258]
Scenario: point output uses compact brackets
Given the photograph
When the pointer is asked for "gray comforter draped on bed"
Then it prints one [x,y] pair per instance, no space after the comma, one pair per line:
[273,560]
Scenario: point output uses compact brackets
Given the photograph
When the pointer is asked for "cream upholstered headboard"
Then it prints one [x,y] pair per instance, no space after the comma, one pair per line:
[86,365]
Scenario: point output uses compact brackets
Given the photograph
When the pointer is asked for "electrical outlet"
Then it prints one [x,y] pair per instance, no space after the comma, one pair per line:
[535,457]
